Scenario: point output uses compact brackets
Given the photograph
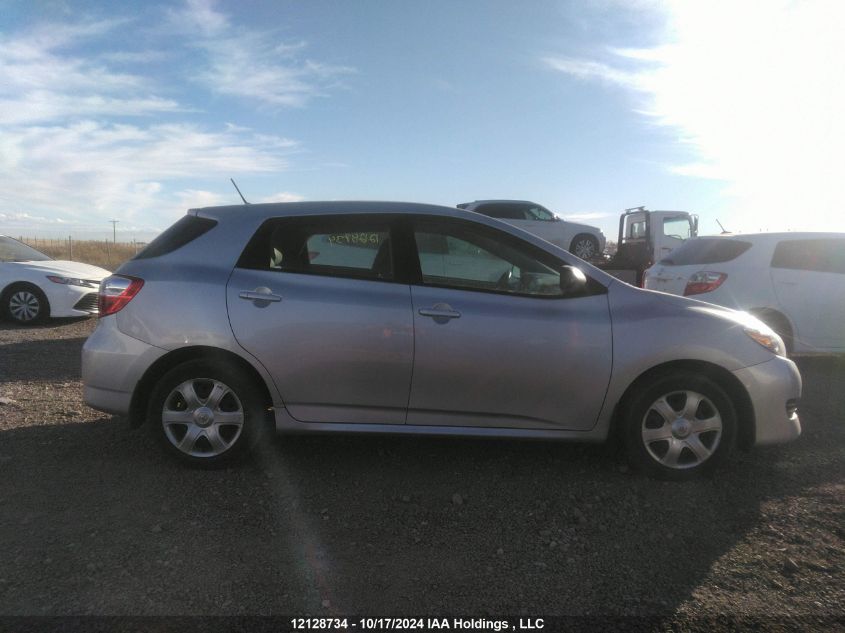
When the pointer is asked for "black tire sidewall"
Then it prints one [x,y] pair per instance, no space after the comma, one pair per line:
[246,391]
[43,308]
[637,406]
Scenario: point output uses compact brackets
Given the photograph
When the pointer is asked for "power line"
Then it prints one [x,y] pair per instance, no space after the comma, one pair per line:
[114,230]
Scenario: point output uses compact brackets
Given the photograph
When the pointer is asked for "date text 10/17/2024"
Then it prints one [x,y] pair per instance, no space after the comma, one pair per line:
[416,624]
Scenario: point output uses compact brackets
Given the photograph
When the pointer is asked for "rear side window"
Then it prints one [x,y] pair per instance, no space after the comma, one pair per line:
[822,255]
[706,251]
[336,246]
[185,230]
[502,211]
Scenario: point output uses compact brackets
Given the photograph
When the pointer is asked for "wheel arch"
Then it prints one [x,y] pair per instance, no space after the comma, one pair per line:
[746,420]
[145,386]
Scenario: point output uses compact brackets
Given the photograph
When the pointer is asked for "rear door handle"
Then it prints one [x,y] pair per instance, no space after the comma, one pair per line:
[440,312]
[259,294]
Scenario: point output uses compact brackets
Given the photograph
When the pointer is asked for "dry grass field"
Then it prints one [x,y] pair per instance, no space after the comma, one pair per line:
[103,253]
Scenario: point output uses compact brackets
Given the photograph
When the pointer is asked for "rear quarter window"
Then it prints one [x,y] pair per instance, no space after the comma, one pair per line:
[825,255]
[184,231]
[706,251]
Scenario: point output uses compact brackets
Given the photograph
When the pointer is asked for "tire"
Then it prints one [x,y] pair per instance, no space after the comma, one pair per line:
[584,246]
[667,438]
[187,408]
[25,304]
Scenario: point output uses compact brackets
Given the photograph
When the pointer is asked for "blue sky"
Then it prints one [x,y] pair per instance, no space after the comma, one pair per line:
[728,109]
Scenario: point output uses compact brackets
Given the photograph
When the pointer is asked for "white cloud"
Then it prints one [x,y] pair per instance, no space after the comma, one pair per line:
[83,132]
[252,64]
[282,196]
[41,81]
[755,91]
[93,170]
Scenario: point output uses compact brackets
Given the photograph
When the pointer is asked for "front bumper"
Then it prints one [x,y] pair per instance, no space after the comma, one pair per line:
[70,301]
[112,365]
[771,386]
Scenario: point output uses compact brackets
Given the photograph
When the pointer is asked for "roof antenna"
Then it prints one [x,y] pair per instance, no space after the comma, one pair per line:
[238,190]
[724,232]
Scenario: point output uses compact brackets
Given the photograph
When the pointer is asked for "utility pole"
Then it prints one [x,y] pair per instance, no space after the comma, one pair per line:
[114,230]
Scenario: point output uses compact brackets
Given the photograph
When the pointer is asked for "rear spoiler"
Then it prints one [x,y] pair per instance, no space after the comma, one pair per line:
[463,205]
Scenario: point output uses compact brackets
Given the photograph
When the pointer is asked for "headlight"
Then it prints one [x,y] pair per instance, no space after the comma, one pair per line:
[68,281]
[767,338]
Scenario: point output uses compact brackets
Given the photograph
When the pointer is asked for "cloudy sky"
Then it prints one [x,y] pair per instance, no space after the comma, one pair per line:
[729,109]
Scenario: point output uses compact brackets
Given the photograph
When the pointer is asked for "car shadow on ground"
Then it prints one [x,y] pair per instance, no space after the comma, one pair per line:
[97,519]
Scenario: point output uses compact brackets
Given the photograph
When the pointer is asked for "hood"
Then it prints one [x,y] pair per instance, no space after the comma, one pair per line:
[65,268]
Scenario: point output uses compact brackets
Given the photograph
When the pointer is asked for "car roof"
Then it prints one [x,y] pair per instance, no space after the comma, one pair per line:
[282,209]
[504,201]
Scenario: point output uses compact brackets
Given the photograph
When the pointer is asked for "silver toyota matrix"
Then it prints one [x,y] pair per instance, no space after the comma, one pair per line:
[380,317]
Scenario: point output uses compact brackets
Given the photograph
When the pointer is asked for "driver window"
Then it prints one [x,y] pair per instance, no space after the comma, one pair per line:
[466,258]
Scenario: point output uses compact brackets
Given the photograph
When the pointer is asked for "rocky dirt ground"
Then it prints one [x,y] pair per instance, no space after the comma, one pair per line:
[95,519]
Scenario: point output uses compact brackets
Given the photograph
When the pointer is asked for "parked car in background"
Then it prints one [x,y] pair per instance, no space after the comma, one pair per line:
[33,286]
[794,282]
[378,317]
[582,240]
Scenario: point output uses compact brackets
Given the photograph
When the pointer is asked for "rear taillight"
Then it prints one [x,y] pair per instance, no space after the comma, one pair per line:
[704,281]
[115,292]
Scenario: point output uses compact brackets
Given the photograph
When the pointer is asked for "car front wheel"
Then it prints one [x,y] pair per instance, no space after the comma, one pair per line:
[206,414]
[679,426]
[26,305]
[584,246]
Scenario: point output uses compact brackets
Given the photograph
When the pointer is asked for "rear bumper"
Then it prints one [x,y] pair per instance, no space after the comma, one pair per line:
[771,385]
[112,365]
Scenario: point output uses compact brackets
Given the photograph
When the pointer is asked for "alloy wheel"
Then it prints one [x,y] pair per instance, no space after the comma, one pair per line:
[585,248]
[681,429]
[202,417]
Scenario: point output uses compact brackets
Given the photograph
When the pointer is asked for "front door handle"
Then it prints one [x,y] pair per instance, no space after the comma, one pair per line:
[440,312]
[259,294]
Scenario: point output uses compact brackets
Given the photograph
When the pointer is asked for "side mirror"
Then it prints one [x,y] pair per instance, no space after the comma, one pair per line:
[572,280]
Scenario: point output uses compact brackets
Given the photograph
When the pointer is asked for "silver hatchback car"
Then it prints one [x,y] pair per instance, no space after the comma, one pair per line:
[377,317]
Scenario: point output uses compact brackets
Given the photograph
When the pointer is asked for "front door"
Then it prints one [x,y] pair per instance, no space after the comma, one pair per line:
[496,342]
[315,301]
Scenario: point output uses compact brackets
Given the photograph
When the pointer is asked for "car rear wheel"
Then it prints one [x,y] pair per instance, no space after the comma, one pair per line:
[584,246]
[679,426]
[25,304]
[206,414]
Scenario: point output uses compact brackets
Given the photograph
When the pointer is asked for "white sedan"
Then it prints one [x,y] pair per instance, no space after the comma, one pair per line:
[34,287]
[581,240]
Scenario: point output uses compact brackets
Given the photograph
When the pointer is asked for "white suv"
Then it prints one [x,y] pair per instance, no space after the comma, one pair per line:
[579,239]
[795,282]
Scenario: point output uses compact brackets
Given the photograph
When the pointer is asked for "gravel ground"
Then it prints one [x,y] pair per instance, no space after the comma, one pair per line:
[95,519]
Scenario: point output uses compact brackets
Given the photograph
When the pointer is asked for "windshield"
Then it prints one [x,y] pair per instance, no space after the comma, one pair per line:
[13,251]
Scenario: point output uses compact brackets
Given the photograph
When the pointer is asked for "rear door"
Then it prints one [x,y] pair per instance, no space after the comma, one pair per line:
[809,281]
[497,345]
[315,300]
